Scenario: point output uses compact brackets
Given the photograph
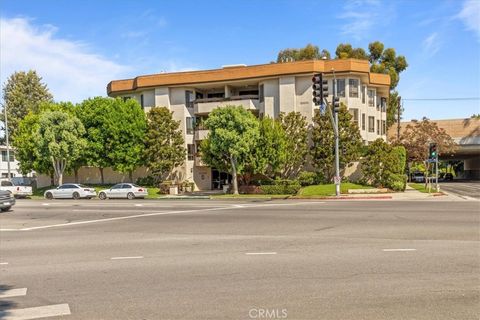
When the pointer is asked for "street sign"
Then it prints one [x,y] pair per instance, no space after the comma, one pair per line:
[322,108]
[336,180]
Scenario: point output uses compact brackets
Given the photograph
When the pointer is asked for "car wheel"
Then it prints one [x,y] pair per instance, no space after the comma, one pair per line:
[76,195]
[102,196]
[49,195]
[6,209]
[130,196]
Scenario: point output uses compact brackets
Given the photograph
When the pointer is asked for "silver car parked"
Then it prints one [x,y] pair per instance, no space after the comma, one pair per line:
[70,191]
[123,190]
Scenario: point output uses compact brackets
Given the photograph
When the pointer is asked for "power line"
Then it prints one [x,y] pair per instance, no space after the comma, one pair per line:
[441,99]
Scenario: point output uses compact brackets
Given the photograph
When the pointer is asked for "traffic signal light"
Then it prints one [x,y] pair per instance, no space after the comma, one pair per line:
[336,104]
[317,89]
[320,89]
[432,151]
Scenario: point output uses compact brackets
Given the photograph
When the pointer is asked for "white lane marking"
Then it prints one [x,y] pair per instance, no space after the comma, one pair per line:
[13,293]
[45,204]
[159,214]
[393,250]
[3,263]
[259,253]
[138,205]
[121,258]
[53,310]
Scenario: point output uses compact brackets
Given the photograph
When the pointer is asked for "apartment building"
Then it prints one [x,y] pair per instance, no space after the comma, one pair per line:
[266,90]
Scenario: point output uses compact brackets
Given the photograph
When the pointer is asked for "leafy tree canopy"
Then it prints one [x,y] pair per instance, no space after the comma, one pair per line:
[234,133]
[23,92]
[322,150]
[164,143]
[296,129]
[418,135]
[309,52]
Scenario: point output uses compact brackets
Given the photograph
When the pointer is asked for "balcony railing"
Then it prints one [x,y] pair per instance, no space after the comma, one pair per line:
[201,134]
[206,105]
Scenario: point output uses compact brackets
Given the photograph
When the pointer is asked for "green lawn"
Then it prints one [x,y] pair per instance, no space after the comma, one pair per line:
[419,187]
[246,196]
[329,189]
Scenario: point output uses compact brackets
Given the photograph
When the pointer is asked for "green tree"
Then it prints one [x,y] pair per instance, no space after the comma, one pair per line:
[164,143]
[296,130]
[125,127]
[23,92]
[309,52]
[234,133]
[94,114]
[59,138]
[322,150]
[417,136]
[384,165]
[270,153]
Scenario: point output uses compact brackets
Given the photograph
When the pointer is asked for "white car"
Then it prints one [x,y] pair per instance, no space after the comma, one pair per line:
[70,191]
[123,190]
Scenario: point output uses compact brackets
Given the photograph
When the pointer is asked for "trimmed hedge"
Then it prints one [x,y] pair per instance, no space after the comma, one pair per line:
[291,188]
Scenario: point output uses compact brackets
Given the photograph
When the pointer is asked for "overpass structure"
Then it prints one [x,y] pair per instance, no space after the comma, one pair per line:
[466,133]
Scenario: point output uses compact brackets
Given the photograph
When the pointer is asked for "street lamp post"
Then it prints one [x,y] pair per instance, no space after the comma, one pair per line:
[7,142]
[335,128]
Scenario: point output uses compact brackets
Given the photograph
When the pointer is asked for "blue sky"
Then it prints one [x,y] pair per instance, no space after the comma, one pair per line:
[79,46]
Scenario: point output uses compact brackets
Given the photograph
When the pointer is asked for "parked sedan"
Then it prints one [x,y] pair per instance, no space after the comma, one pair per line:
[70,191]
[123,190]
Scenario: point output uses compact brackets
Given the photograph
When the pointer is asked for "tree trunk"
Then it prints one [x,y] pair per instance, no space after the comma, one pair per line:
[52,179]
[130,176]
[60,178]
[76,175]
[102,181]
[233,161]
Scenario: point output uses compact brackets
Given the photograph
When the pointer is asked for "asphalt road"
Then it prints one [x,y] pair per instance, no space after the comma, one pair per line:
[462,188]
[241,260]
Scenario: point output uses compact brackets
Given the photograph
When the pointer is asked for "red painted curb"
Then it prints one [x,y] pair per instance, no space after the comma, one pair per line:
[345,198]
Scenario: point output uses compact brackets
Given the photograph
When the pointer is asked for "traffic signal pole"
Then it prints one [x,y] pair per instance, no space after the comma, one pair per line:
[320,94]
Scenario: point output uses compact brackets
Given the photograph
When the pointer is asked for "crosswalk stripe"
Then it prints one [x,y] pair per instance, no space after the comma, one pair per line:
[53,310]
[13,293]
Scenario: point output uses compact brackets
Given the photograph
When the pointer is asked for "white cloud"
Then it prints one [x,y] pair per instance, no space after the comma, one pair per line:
[361,16]
[70,69]
[431,44]
[470,15]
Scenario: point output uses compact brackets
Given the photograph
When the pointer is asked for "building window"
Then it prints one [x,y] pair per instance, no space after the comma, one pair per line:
[383,104]
[4,156]
[5,175]
[353,88]
[371,124]
[189,98]
[141,101]
[363,121]
[384,127]
[190,151]
[126,98]
[364,89]
[340,87]
[261,93]
[378,126]
[220,95]
[371,98]
[354,113]
[190,123]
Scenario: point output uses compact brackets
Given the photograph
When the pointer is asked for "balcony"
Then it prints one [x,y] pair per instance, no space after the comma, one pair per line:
[205,106]
[199,162]
[201,134]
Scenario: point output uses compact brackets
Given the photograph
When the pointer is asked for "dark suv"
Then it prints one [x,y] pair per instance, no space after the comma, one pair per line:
[7,200]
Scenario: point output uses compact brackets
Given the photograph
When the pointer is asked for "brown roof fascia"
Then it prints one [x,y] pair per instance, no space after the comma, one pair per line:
[247,72]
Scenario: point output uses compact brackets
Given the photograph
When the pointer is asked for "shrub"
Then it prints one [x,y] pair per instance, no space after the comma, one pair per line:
[396,182]
[306,178]
[148,181]
[291,188]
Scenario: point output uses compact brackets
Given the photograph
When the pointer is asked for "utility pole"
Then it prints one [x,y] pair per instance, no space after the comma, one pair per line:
[398,118]
[7,142]
[336,105]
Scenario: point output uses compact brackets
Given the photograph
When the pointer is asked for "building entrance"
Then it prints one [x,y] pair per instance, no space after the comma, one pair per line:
[219,179]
